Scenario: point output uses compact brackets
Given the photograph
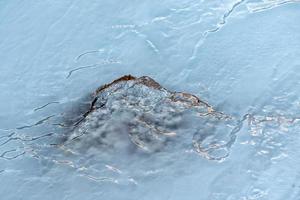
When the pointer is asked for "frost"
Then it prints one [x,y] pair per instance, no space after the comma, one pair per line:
[138,114]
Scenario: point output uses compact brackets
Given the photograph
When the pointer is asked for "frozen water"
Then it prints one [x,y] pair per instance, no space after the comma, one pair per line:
[241,57]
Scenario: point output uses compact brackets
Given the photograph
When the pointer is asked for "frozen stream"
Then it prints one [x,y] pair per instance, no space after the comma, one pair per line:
[241,57]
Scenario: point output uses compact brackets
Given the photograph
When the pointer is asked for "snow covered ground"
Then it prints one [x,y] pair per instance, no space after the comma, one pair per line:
[242,57]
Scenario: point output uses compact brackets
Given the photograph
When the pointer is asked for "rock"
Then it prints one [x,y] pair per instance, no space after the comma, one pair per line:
[138,114]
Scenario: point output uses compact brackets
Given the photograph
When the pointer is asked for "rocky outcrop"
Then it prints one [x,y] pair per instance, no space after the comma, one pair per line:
[139,114]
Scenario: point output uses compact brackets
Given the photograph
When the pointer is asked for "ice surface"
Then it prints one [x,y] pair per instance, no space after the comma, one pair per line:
[242,57]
